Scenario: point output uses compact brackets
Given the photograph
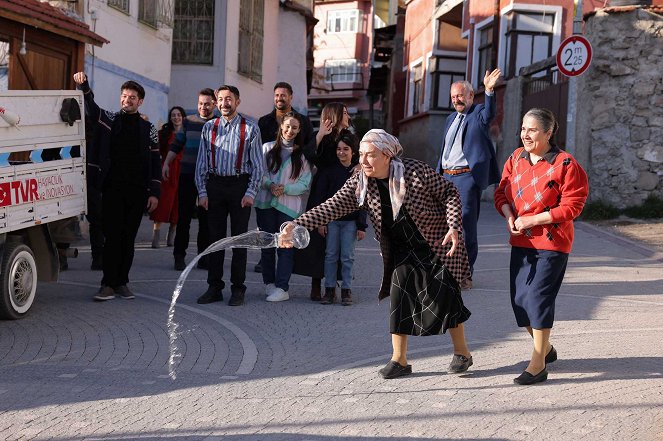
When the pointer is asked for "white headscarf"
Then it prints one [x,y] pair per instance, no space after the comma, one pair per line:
[390,147]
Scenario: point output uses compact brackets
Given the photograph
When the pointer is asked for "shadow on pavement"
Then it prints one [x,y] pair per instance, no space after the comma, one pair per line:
[604,369]
[255,437]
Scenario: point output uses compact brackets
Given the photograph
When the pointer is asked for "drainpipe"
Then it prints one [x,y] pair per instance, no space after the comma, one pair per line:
[371,99]
[496,37]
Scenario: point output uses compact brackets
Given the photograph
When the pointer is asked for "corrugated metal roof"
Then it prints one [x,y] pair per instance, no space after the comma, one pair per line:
[44,16]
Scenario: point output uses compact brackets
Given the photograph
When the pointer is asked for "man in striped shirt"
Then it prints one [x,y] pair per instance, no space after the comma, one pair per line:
[229,171]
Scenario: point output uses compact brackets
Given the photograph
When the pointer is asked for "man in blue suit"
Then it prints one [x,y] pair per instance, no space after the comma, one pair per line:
[467,158]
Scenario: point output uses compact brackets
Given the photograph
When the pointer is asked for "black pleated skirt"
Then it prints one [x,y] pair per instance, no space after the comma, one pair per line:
[425,298]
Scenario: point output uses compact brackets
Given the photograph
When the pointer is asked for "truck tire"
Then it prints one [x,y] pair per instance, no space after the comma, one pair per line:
[19,281]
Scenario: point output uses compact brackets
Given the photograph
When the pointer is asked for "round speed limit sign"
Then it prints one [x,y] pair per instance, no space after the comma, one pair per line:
[574,55]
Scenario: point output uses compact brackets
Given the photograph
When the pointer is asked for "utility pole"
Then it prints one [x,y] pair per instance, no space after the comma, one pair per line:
[496,37]
[573,87]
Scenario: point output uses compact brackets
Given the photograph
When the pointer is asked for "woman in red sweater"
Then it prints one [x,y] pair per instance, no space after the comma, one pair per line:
[542,190]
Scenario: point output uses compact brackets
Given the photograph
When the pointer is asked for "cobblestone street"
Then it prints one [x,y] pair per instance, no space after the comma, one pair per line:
[79,370]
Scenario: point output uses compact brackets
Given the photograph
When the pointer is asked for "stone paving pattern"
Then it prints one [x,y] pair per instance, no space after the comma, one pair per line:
[79,370]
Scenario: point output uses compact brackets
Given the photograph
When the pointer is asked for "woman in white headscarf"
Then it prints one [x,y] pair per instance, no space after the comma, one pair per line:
[417,218]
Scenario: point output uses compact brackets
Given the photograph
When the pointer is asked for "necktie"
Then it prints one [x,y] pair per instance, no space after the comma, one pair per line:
[458,123]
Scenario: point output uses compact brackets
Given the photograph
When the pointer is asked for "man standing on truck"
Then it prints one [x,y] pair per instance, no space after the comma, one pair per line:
[124,164]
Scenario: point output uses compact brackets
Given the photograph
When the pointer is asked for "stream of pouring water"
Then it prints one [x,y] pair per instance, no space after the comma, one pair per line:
[255,239]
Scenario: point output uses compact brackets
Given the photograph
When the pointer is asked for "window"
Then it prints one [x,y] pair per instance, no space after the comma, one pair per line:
[343,21]
[529,39]
[122,5]
[444,72]
[147,12]
[485,51]
[378,22]
[251,18]
[418,89]
[4,64]
[165,13]
[342,71]
[193,32]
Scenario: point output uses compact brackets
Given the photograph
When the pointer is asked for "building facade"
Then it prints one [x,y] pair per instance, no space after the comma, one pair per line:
[250,44]
[41,46]
[343,56]
[140,34]
[452,40]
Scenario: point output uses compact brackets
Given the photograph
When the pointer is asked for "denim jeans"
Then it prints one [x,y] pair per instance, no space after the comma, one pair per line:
[273,271]
[341,238]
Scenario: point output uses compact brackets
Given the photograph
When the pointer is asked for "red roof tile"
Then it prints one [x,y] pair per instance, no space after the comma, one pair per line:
[34,12]
[656,9]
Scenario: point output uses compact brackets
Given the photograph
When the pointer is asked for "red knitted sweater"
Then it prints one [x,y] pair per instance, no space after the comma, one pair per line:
[556,183]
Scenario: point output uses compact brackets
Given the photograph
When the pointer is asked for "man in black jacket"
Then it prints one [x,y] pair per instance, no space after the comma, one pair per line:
[269,124]
[124,165]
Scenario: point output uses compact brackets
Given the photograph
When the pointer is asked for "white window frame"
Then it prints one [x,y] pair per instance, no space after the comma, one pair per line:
[433,78]
[540,9]
[410,93]
[350,63]
[344,15]
[476,79]
[120,5]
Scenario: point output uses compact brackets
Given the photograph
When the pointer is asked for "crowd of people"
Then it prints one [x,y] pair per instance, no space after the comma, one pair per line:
[329,181]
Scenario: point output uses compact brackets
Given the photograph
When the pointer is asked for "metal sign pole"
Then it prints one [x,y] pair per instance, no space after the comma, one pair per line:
[573,87]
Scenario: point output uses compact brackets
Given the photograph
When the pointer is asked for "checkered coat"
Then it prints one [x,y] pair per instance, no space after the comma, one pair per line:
[431,201]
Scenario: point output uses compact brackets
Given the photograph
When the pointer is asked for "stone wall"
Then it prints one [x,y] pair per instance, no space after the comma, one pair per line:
[620,106]
[421,136]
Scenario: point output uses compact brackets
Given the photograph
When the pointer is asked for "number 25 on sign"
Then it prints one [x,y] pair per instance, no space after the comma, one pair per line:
[574,55]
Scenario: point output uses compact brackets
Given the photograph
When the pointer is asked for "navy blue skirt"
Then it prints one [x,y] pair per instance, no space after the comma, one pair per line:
[536,276]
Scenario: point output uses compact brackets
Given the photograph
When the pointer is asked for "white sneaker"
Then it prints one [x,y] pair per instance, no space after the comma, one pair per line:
[278,295]
[269,289]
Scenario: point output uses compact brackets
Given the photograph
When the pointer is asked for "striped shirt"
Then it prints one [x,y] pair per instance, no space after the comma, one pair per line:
[226,149]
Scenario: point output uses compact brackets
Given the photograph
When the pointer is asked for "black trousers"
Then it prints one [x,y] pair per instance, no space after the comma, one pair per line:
[122,209]
[94,218]
[187,206]
[225,199]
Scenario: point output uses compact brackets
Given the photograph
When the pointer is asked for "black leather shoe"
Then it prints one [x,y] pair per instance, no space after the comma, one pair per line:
[211,295]
[179,263]
[551,355]
[526,378]
[329,297]
[237,296]
[459,364]
[394,370]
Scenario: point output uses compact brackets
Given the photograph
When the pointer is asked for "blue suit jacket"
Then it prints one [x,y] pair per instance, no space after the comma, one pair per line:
[477,145]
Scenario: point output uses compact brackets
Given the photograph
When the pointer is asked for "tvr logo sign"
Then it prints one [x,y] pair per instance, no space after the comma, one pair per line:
[18,192]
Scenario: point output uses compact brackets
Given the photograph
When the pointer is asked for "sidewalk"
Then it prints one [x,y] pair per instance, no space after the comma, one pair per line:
[295,370]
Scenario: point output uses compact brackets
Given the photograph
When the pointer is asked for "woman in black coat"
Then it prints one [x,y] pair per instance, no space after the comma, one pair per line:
[321,152]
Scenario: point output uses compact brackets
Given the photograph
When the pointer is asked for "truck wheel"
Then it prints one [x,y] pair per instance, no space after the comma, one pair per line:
[19,281]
